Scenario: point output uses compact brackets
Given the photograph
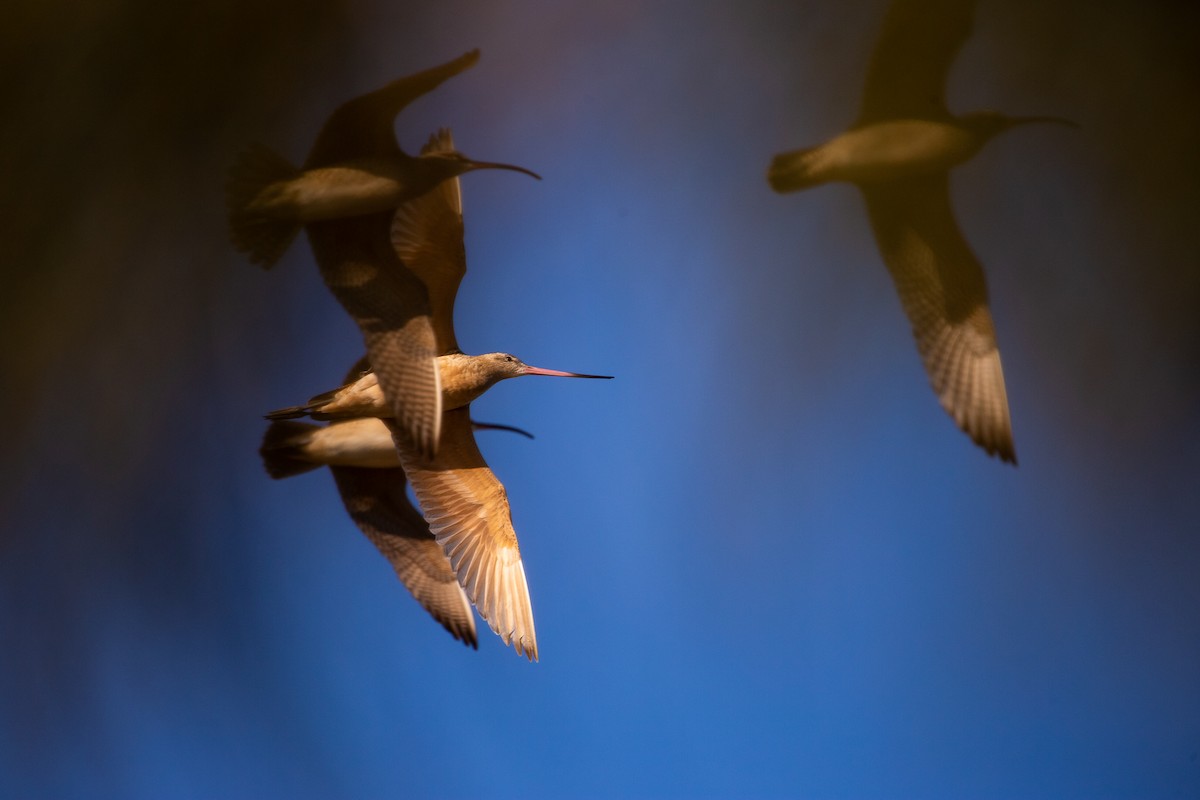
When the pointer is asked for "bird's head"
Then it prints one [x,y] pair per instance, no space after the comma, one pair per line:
[505,365]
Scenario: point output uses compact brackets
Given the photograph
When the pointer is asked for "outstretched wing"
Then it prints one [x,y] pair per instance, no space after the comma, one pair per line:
[944,293]
[363,126]
[390,305]
[427,233]
[468,513]
[377,502]
[911,59]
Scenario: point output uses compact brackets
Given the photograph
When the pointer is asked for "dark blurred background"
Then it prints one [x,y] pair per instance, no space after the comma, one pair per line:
[763,561]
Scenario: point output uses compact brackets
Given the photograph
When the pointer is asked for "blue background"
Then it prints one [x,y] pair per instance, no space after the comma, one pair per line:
[763,562]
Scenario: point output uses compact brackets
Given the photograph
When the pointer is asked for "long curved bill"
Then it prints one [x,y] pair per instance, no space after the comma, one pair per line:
[495,165]
[496,426]
[555,373]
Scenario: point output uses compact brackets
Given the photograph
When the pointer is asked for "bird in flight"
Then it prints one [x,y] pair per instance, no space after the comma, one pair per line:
[355,168]
[899,152]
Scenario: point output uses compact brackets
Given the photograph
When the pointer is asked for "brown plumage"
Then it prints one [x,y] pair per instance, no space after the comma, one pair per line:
[468,513]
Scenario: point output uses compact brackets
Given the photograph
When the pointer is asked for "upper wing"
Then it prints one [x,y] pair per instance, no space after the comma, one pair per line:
[377,502]
[390,305]
[427,233]
[944,292]
[467,510]
[364,126]
[911,59]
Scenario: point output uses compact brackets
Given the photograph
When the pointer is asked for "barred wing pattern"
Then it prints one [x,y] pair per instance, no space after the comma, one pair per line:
[378,503]
[427,234]
[944,293]
[468,512]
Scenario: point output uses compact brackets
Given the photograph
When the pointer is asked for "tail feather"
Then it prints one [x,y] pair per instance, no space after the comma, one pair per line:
[263,237]
[791,171]
[310,409]
[283,446]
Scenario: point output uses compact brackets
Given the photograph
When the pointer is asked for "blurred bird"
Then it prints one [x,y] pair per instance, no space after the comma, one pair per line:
[355,168]
[899,152]
[364,463]
[355,177]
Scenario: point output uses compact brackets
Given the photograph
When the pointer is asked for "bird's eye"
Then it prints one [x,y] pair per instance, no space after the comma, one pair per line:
[509,359]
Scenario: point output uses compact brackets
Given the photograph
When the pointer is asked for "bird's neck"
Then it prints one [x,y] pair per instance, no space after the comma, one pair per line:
[464,378]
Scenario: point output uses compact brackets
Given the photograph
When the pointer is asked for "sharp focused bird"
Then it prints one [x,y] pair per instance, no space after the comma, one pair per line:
[899,152]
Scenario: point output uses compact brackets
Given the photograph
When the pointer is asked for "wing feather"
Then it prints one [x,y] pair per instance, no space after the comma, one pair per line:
[390,305]
[468,512]
[944,293]
[427,234]
[363,126]
[377,502]
[907,75]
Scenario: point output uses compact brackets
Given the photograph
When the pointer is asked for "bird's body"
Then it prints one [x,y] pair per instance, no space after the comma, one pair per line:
[462,377]
[899,153]
[353,442]
[882,151]
[352,189]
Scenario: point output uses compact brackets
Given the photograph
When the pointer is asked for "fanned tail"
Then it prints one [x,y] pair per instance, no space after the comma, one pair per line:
[310,409]
[791,171]
[260,235]
[282,448]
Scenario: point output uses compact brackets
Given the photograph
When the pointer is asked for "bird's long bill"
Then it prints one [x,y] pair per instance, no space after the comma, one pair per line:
[496,165]
[555,373]
[1033,120]
[496,426]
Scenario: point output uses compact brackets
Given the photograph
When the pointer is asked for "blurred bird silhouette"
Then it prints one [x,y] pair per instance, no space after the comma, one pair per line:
[355,168]
[899,152]
[355,177]
[362,457]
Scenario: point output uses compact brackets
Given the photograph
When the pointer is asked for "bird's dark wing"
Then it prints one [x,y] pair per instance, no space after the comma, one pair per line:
[468,512]
[377,502]
[363,126]
[390,305]
[907,75]
[944,292]
[427,233]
